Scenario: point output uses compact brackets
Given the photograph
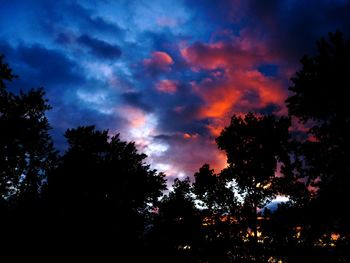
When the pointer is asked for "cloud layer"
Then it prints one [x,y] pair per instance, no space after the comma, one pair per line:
[166,74]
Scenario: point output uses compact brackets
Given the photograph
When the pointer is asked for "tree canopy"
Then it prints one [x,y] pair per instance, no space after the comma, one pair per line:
[100,198]
[319,98]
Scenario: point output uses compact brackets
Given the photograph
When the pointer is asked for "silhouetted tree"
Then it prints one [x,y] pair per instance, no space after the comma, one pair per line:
[320,100]
[26,157]
[102,193]
[220,213]
[254,146]
[176,235]
[5,178]
[26,149]
[5,73]
[214,192]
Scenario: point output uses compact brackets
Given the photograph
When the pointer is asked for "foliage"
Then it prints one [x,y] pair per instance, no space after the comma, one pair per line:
[100,197]
[26,148]
[319,95]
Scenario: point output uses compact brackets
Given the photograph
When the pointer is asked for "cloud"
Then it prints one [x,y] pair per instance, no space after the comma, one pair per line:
[31,63]
[241,91]
[167,86]
[159,15]
[167,74]
[166,21]
[85,19]
[136,99]
[243,54]
[100,48]
[186,152]
[293,27]
[158,62]
[233,82]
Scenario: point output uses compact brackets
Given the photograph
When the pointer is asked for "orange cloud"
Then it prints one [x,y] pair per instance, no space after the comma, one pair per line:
[218,101]
[167,86]
[159,61]
[240,91]
[235,84]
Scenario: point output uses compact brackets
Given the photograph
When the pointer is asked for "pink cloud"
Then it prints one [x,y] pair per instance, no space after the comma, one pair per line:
[188,152]
[167,86]
[159,61]
[135,116]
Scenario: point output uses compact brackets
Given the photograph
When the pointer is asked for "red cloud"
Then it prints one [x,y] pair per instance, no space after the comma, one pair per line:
[238,55]
[235,85]
[167,86]
[159,61]
[234,93]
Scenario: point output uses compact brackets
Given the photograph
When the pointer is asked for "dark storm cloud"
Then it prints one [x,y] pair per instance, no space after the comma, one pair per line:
[293,27]
[137,99]
[84,18]
[288,26]
[61,77]
[213,14]
[40,66]
[100,48]
[52,66]
[182,121]
[178,113]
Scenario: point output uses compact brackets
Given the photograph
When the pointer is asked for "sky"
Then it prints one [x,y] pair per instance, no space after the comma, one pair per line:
[165,74]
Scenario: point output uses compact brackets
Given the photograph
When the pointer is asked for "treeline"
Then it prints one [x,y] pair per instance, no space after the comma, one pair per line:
[100,201]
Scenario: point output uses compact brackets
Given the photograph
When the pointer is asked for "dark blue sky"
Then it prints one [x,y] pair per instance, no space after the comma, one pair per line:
[166,74]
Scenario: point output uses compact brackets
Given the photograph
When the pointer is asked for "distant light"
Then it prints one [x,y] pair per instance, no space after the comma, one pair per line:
[281,198]
[335,236]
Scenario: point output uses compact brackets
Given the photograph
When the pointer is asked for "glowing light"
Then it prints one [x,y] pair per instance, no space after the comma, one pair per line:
[335,236]
[263,186]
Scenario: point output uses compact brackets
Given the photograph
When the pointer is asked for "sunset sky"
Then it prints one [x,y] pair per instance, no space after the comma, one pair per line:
[165,74]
